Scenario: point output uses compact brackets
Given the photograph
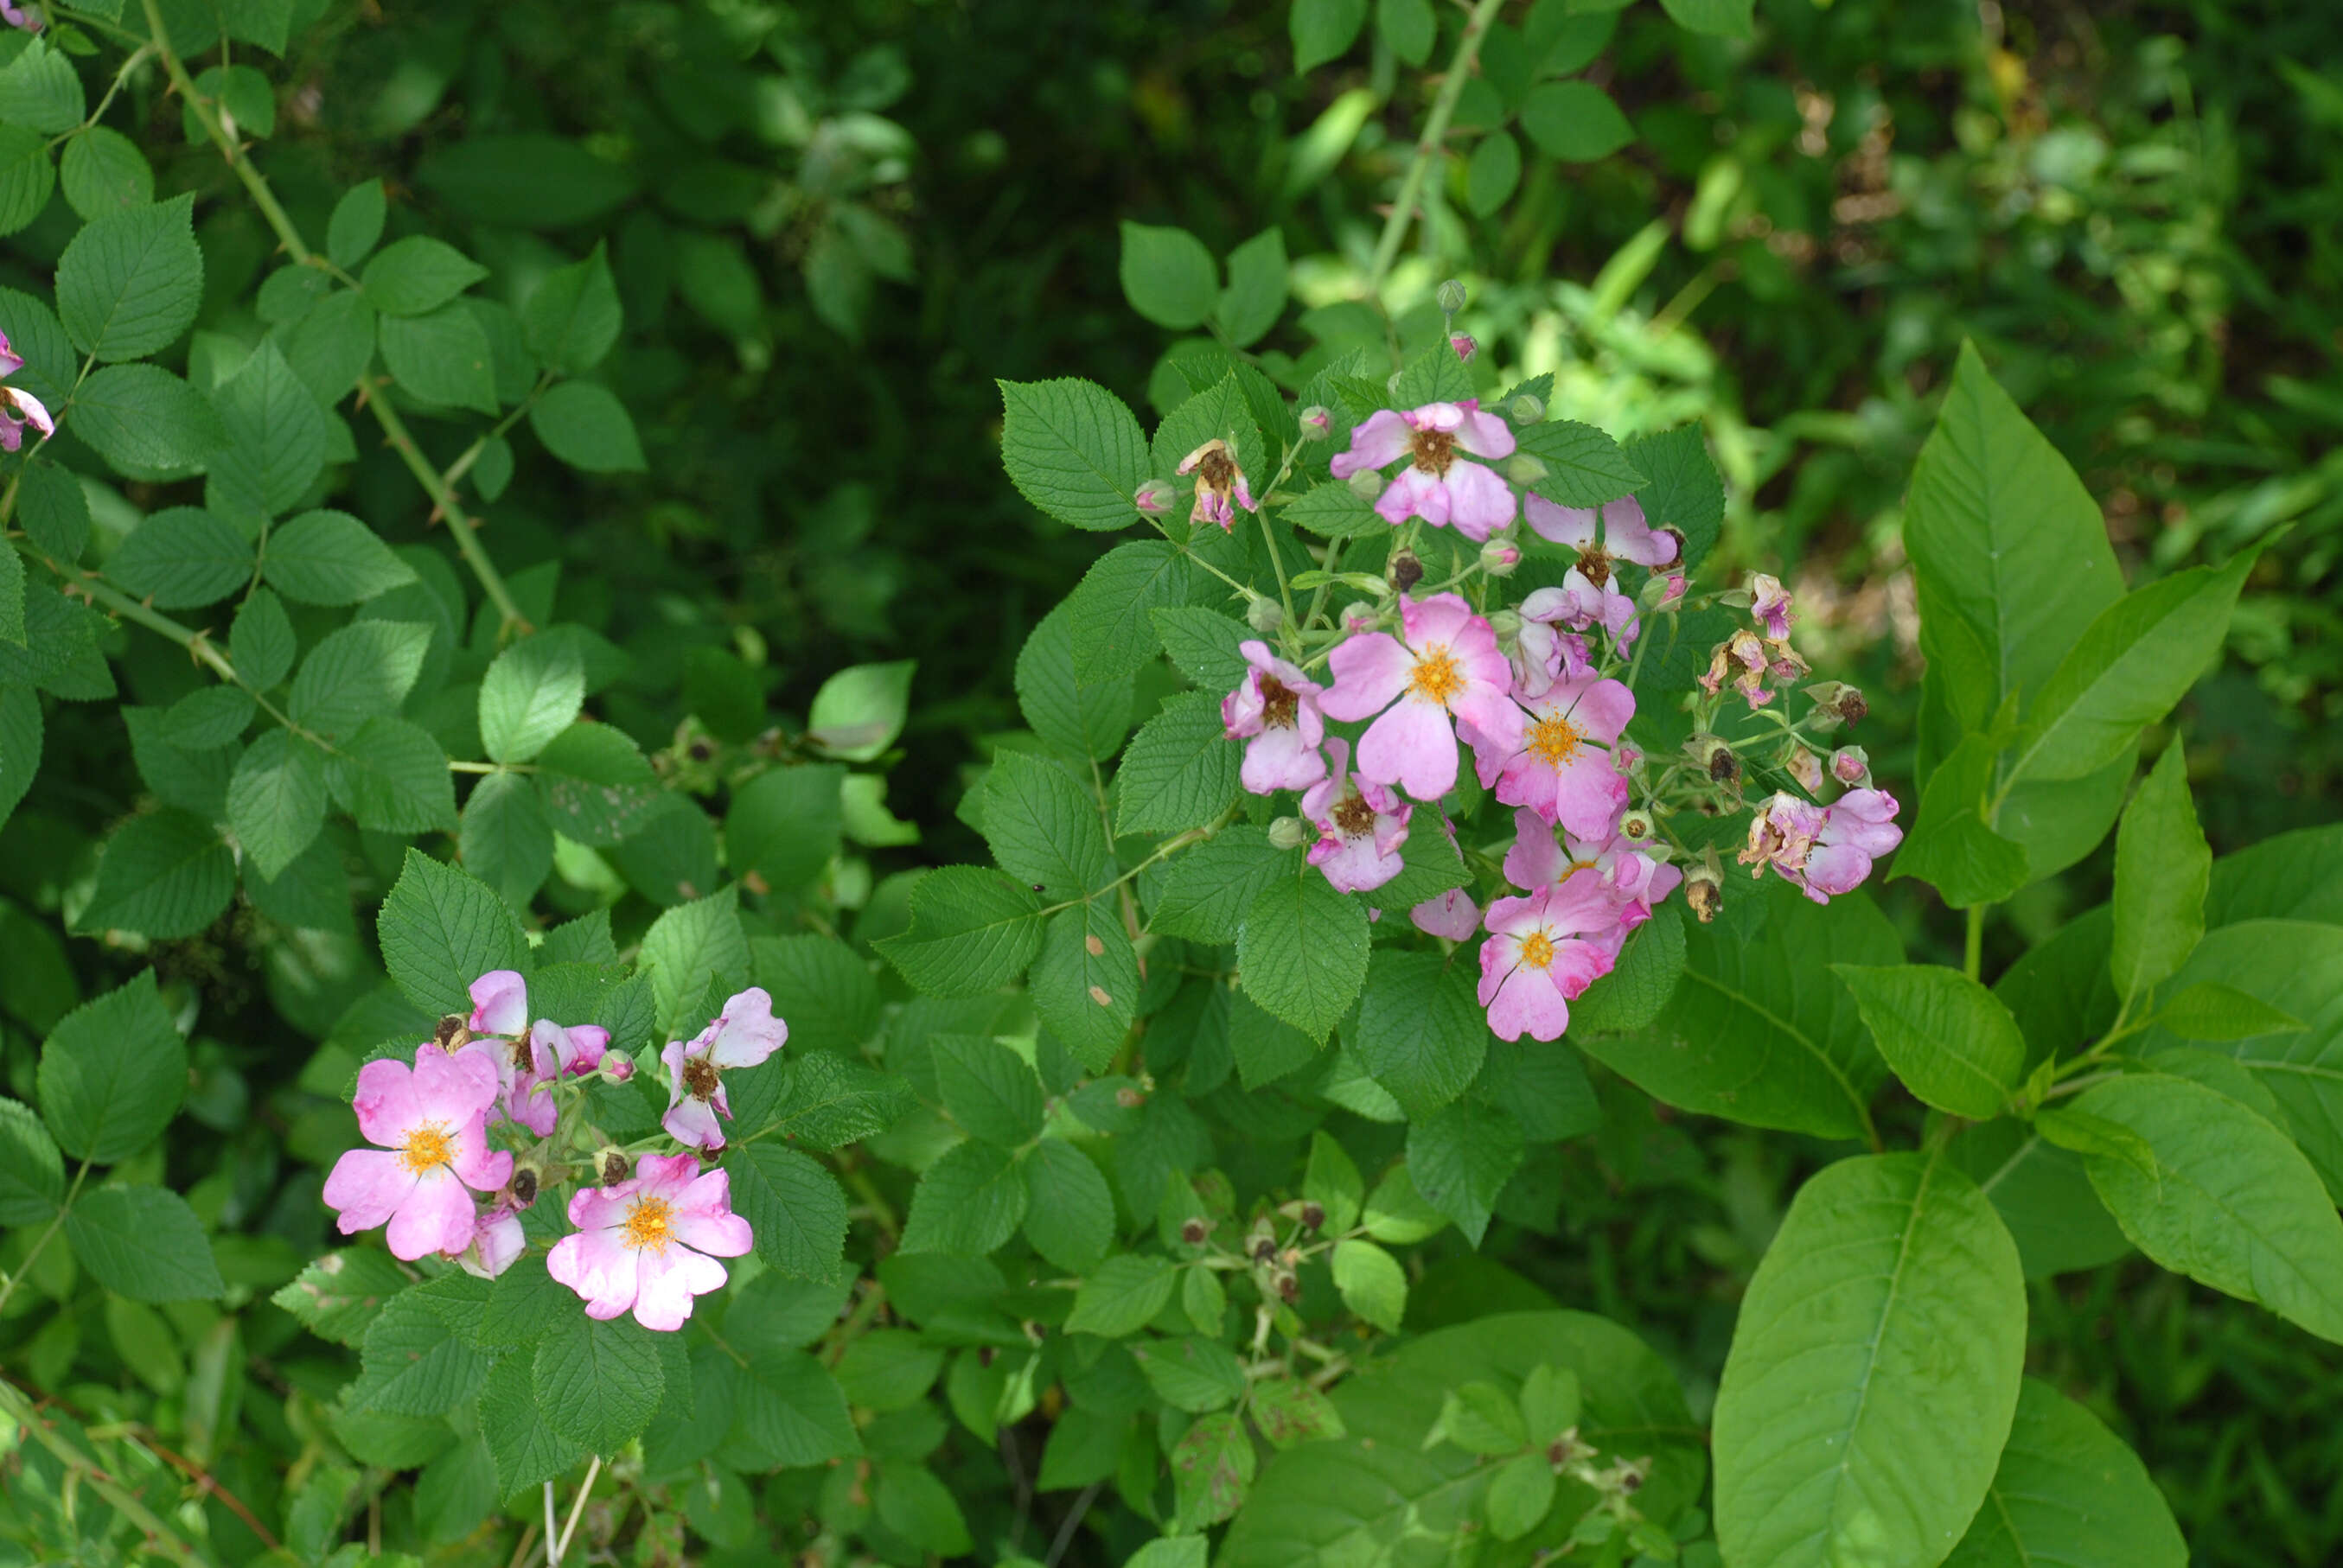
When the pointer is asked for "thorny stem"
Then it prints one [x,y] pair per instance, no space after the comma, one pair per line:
[1427,147]
[394,429]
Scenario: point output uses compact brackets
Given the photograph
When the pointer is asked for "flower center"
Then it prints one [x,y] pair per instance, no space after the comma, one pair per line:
[1355,816]
[522,1060]
[1436,676]
[1553,741]
[647,1225]
[1217,469]
[428,1147]
[1434,451]
[699,1076]
[1594,565]
[1537,950]
[1279,704]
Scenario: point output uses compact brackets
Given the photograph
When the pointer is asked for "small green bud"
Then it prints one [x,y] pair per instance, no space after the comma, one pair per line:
[1289,833]
[1451,296]
[1264,615]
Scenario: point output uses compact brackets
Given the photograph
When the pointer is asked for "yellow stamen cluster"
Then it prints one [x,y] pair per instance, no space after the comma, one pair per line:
[1553,741]
[1537,950]
[427,1148]
[649,1224]
[1436,676]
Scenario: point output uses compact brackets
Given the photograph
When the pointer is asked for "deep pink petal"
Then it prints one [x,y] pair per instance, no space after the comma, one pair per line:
[1535,861]
[1373,444]
[1370,670]
[365,1188]
[1413,746]
[388,1105]
[1598,710]
[474,1164]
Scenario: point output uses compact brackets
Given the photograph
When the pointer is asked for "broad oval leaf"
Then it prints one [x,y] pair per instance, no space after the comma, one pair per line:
[2069,1490]
[1951,1040]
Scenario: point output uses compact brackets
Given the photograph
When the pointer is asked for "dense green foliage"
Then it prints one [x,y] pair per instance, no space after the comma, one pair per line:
[614,493]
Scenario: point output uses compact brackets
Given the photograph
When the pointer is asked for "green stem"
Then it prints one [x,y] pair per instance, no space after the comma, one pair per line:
[25,1268]
[1973,954]
[1435,130]
[394,429]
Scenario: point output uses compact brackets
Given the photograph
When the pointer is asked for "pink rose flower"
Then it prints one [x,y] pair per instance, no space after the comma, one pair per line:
[1361,826]
[1743,649]
[1438,486]
[1448,665]
[19,408]
[1858,828]
[1453,914]
[528,1057]
[1782,834]
[10,360]
[650,1243]
[1275,709]
[1542,653]
[744,1034]
[497,1241]
[1591,588]
[429,1123]
[1636,880]
[1561,765]
[1772,606]
[1219,481]
[1537,961]
[499,1003]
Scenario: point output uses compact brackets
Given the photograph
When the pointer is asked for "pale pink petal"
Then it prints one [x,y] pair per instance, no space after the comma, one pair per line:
[1440,620]
[669,1277]
[1413,746]
[1483,435]
[453,1087]
[1627,535]
[599,1267]
[365,1188]
[1581,902]
[1451,914]
[1572,527]
[388,1105]
[1369,671]
[583,1046]
[497,1242]
[1517,917]
[1577,965]
[1589,794]
[692,1121]
[1414,493]
[1479,502]
[746,1033]
[1528,1001]
[1834,869]
[1535,861]
[474,1164]
[1373,444]
[1600,710]
[500,1002]
[1284,758]
[437,1217]
[1354,865]
[1493,716]
[711,1226]
[1322,798]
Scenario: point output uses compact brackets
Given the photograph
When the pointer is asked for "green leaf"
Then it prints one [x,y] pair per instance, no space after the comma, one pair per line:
[1575,122]
[1068,706]
[1953,846]
[1044,829]
[1640,986]
[859,710]
[1718,18]
[261,640]
[331,346]
[130,282]
[1873,1371]
[1551,1402]
[2133,663]
[1421,1032]
[1748,1035]
[1085,981]
[1371,1282]
[987,1090]
[364,670]
[145,421]
[181,557]
[1123,1296]
[572,321]
[2069,1490]
[441,357]
[28,177]
[971,931]
[1180,769]
[584,424]
[276,440]
[527,1449]
[1170,1552]
[113,1073]
[330,558]
[1409,28]
[823,986]
[1684,491]
[53,509]
[1109,612]
[338,1295]
[1332,1182]
[1331,512]
[441,930]
[1073,449]
[2214,1011]
[1461,1156]
[1953,1043]
[1255,297]
[1495,166]
[2233,1203]
[1213,1463]
[2163,866]
[1583,467]
[1520,1492]
[788,1411]
[276,799]
[785,824]
[356,224]
[417,275]
[967,1204]
[1168,276]
[41,91]
[163,875]
[532,693]
[597,1383]
[1191,1374]
[20,745]
[33,1174]
[393,778]
[504,837]
[1479,1418]
[413,1364]
[1213,884]
[103,171]
[144,1243]
[597,784]
[916,1506]
[1289,1411]
[1324,30]
[691,947]
[528,179]
[1069,1211]
[1302,954]
[796,1208]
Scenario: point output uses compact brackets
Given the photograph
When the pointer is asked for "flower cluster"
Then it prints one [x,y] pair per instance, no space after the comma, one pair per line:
[649,1228]
[1541,695]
